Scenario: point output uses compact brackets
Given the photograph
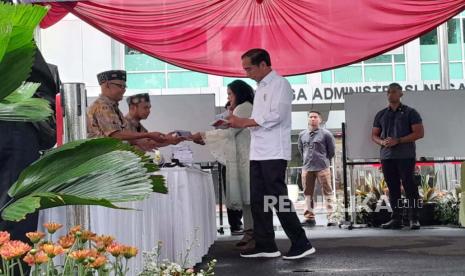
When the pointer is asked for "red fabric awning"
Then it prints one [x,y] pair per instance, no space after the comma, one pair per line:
[302,36]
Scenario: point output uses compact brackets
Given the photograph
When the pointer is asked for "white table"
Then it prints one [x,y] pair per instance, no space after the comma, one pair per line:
[172,218]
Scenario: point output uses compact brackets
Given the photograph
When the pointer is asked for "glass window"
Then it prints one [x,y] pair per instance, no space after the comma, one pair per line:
[430,38]
[348,74]
[300,79]
[146,80]
[455,48]
[173,67]
[141,62]
[463,30]
[187,79]
[453,30]
[399,58]
[400,72]
[379,59]
[430,71]
[455,70]
[327,76]
[378,73]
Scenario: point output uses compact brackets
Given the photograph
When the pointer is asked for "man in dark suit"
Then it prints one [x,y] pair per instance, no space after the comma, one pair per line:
[21,143]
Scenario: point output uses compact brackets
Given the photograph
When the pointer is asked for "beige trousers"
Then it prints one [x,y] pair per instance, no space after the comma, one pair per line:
[308,183]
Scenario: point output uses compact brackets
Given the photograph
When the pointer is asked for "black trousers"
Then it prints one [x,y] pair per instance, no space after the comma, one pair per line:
[267,185]
[19,147]
[397,172]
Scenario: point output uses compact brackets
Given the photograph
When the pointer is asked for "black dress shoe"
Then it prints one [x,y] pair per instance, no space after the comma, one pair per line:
[308,222]
[414,224]
[392,224]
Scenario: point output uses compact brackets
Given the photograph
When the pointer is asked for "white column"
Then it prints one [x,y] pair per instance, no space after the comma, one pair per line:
[443,42]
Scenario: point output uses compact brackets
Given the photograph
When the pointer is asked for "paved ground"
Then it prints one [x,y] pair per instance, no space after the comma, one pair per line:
[429,251]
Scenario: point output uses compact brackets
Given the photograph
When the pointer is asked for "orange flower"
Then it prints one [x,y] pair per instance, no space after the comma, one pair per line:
[75,229]
[52,250]
[106,240]
[86,235]
[129,251]
[36,259]
[35,237]
[4,237]
[81,255]
[14,249]
[66,241]
[98,262]
[52,227]
[115,249]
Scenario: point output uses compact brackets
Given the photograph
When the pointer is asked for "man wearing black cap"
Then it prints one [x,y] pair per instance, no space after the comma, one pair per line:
[104,119]
[139,109]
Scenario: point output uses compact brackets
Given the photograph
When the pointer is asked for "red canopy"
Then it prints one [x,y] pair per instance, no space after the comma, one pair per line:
[302,36]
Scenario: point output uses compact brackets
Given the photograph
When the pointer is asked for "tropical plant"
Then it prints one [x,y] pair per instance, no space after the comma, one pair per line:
[17,50]
[428,193]
[98,171]
[370,197]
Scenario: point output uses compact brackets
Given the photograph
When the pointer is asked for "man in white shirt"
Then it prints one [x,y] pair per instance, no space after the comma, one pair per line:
[270,149]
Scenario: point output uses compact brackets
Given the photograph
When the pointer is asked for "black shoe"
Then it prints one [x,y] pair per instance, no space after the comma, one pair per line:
[308,222]
[237,231]
[392,224]
[260,253]
[414,224]
[297,252]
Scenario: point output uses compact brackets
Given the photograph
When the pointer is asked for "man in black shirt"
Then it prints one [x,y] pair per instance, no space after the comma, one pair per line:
[395,129]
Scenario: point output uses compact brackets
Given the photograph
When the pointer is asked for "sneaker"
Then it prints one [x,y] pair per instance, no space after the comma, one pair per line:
[308,222]
[414,224]
[260,253]
[331,223]
[297,252]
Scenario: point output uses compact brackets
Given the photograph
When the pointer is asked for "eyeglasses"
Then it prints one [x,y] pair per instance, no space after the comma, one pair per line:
[122,86]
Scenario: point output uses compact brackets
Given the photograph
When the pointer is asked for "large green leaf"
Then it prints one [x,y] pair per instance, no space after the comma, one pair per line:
[25,20]
[95,171]
[6,27]
[15,68]
[5,34]
[19,106]
[159,185]
[17,24]
[27,205]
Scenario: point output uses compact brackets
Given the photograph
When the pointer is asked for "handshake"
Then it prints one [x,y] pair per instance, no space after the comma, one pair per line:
[188,136]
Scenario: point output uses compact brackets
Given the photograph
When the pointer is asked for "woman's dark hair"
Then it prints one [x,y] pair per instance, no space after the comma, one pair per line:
[242,91]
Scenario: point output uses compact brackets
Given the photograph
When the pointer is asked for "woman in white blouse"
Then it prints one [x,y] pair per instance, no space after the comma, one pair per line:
[231,147]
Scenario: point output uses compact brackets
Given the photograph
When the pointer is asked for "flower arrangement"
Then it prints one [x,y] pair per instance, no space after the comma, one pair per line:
[154,266]
[84,252]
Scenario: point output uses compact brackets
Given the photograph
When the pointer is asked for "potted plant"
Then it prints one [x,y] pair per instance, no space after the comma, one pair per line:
[429,197]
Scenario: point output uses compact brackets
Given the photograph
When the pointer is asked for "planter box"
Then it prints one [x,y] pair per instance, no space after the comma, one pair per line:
[426,214]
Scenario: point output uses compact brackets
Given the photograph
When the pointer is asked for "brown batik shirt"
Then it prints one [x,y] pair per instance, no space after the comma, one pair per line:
[104,118]
[134,125]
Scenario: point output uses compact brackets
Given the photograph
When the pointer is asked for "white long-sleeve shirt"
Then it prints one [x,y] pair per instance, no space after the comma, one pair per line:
[272,111]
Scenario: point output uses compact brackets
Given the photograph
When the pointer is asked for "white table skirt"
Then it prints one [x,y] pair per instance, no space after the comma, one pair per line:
[172,218]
